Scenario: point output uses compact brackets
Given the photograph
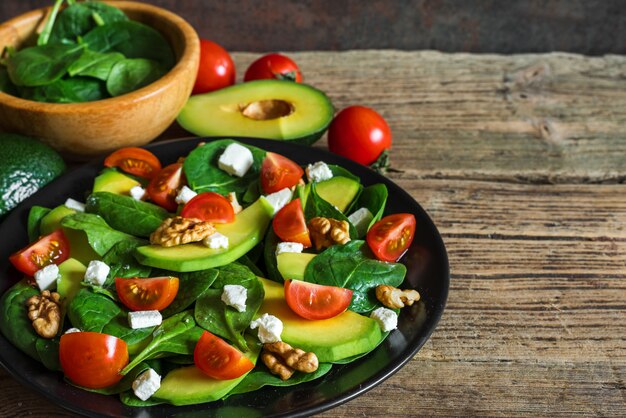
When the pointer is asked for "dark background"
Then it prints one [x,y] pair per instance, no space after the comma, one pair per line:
[593,27]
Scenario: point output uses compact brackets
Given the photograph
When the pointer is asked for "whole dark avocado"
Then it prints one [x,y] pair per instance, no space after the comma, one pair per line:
[26,165]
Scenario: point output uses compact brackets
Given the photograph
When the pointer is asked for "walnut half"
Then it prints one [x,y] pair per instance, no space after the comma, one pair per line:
[395,298]
[179,230]
[45,312]
[327,231]
[282,359]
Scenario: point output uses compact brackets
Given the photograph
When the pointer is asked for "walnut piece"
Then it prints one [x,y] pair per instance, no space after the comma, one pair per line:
[327,231]
[395,298]
[45,312]
[282,359]
[179,230]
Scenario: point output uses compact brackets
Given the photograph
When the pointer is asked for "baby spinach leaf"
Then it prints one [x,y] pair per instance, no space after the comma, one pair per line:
[126,214]
[190,286]
[339,171]
[80,18]
[6,85]
[128,398]
[40,65]
[350,267]
[123,385]
[35,215]
[130,74]
[90,311]
[374,198]
[95,64]
[48,352]
[247,261]
[14,322]
[100,235]
[204,175]
[67,90]
[44,36]
[215,316]
[269,255]
[122,263]
[316,206]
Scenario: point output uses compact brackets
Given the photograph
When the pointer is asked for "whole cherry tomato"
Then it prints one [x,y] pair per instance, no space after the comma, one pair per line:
[360,134]
[275,66]
[216,70]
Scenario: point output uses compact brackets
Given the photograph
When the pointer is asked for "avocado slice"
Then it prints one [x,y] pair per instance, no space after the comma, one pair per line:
[345,335]
[292,265]
[272,109]
[338,191]
[243,234]
[71,274]
[115,182]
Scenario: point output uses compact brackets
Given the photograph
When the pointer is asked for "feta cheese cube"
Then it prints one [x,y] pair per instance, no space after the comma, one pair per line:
[279,199]
[185,194]
[236,160]
[72,330]
[235,295]
[146,384]
[75,204]
[386,318]
[319,171]
[216,241]
[232,197]
[97,272]
[144,319]
[269,327]
[138,193]
[289,247]
[46,278]
[361,219]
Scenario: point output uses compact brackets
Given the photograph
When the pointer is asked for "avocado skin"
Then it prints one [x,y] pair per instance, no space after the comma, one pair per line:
[26,165]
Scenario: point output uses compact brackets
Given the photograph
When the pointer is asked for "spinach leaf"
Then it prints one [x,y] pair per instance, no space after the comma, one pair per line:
[348,266]
[316,206]
[95,64]
[123,385]
[374,198]
[14,322]
[44,36]
[67,90]
[122,263]
[126,214]
[40,65]
[164,339]
[79,18]
[191,285]
[100,235]
[215,316]
[130,74]
[204,175]
[269,255]
[6,85]
[339,171]
[128,398]
[35,215]
[247,261]
[90,311]
[252,193]
[48,352]
[260,376]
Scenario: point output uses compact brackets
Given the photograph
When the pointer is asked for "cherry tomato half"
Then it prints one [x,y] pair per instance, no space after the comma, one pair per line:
[216,70]
[360,134]
[135,161]
[278,172]
[163,187]
[218,359]
[210,207]
[289,224]
[390,237]
[91,359]
[139,294]
[275,66]
[50,249]
[316,301]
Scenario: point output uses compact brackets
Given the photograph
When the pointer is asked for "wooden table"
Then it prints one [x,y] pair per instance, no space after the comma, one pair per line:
[520,161]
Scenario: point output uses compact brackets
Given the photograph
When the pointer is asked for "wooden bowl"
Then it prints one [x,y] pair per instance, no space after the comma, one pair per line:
[83,130]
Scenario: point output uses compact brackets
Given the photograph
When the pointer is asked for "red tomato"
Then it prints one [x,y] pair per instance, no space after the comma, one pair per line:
[163,187]
[154,293]
[210,207]
[218,359]
[316,301]
[216,70]
[275,66]
[136,161]
[51,249]
[390,237]
[91,359]
[278,172]
[360,134]
[289,224]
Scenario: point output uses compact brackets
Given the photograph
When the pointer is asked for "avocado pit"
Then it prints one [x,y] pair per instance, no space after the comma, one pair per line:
[266,109]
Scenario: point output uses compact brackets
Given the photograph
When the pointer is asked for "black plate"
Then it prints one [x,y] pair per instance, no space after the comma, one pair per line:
[428,272]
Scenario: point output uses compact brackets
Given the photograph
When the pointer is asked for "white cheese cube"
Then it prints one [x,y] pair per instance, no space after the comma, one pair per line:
[319,171]
[216,241]
[144,319]
[289,247]
[232,197]
[235,295]
[75,204]
[138,193]
[386,318]
[72,330]
[361,219]
[97,272]
[269,327]
[146,384]
[46,278]
[236,160]
[185,194]
[279,199]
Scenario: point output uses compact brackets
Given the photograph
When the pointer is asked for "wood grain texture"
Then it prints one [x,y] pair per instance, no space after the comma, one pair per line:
[520,161]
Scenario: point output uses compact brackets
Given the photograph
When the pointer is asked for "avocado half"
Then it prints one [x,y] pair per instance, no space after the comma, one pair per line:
[271,109]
